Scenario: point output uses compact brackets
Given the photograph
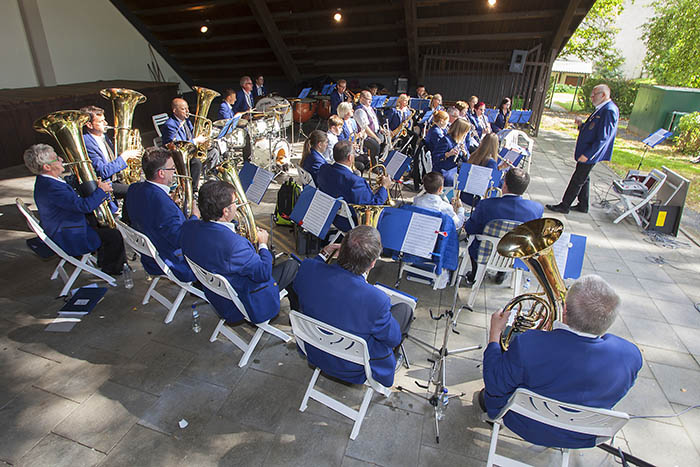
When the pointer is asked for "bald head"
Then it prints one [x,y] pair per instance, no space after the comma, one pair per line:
[180,108]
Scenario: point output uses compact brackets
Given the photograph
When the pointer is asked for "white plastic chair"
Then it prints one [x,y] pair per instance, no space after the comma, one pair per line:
[602,423]
[221,286]
[143,245]
[345,212]
[631,205]
[343,345]
[158,120]
[86,263]
[304,176]
[510,139]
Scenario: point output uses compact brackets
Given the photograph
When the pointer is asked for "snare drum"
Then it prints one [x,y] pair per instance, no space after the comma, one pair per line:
[258,128]
[304,109]
[323,106]
[263,157]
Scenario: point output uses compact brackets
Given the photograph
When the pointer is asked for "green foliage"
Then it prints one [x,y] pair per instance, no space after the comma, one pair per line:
[594,39]
[623,92]
[564,88]
[673,43]
[688,140]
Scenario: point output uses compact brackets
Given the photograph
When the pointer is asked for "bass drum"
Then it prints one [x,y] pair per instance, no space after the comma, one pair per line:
[236,140]
[258,128]
[283,108]
[281,152]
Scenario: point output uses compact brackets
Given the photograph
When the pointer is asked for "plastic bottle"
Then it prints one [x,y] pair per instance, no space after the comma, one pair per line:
[442,402]
[196,325]
[128,277]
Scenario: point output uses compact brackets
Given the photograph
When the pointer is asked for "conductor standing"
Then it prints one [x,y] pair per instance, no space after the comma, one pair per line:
[595,142]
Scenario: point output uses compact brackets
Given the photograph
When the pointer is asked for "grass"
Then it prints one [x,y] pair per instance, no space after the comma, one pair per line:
[628,151]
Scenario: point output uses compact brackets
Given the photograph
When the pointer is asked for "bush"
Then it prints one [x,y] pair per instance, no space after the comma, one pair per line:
[564,88]
[622,92]
[688,140]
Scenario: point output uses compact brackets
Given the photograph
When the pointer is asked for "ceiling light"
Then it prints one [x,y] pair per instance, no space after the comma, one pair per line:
[492,2]
[338,16]
[204,29]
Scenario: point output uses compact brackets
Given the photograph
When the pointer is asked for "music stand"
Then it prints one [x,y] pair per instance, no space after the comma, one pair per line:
[652,141]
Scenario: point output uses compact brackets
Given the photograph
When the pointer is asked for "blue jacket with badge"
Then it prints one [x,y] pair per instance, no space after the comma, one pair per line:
[596,135]
[174,130]
[104,168]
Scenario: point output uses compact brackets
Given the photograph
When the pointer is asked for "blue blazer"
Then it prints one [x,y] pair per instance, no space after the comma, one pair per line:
[217,249]
[241,104]
[500,122]
[256,93]
[595,372]
[509,207]
[336,99]
[345,300]
[225,111]
[447,166]
[313,163]
[104,168]
[596,135]
[154,213]
[62,213]
[434,134]
[171,130]
[396,116]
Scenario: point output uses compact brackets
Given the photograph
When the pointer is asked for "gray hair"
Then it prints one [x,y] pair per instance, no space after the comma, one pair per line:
[37,155]
[344,108]
[604,88]
[591,305]
[453,112]
[360,247]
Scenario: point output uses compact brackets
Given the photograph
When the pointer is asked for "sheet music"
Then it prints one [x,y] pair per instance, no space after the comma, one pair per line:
[561,251]
[258,187]
[511,156]
[395,163]
[320,208]
[478,180]
[656,137]
[421,235]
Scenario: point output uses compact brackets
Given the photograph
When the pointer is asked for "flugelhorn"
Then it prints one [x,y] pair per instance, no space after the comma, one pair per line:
[66,128]
[532,243]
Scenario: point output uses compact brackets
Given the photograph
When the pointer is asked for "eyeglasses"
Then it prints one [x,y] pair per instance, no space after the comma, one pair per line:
[168,168]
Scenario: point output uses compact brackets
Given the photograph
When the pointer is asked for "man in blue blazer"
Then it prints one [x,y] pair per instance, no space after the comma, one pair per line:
[244,96]
[339,181]
[214,244]
[100,149]
[259,91]
[63,212]
[153,213]
[179,128]
[226,107]
[339,295]
[511,206]
[338,95]
[596,138]
[576,362]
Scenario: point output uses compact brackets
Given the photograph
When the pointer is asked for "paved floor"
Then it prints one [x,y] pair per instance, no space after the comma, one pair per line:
[111,392]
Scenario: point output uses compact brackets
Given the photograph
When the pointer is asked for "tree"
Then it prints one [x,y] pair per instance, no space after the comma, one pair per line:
[594,39]
[673,43]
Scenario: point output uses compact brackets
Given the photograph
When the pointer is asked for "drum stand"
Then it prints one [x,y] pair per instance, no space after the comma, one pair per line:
[438,371]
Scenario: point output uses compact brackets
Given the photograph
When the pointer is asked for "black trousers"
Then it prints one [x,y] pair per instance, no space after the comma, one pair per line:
[110,255]
[195,173]
[284,274]
[119,190]
[404,315]
[578,186]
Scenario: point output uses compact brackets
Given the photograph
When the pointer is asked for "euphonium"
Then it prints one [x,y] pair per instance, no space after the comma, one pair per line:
[202,125]
[66,128]
[124,102]
[246,220]
[532,243]
[183,152]
[369,214]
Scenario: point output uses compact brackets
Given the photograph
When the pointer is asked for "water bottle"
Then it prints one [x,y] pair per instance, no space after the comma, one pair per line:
[442,402]
[128,277]
[196,325]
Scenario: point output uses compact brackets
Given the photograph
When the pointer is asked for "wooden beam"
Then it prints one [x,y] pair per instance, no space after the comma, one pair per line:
[411,21]
[196,24]
[564,26]
[502,36]
[301,63]
[274,38]
[222,53]
[341,30]
[184,7]
[232,53]
[203,40]
[509,16]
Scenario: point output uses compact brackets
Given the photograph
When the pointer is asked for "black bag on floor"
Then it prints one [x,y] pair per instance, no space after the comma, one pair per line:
[286,199]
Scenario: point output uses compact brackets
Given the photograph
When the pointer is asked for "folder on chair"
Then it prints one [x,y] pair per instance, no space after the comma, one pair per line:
[475,180]
[396,164]
[569,251]
[255,181]
[304,92]
[315,211]
[409,232]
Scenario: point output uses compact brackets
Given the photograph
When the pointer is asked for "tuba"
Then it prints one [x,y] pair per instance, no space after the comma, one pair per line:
[202,125]
[532,243]
[124,101]
[183,152]
[66,128]
[246,221]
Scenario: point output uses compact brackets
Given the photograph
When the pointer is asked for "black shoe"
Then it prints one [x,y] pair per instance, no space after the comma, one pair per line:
[469,279]
[557,208]
[500,277]
[579,208]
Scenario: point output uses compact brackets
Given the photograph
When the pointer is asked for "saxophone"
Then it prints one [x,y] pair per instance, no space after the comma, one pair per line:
[124,101]
[65,126]
[402,129]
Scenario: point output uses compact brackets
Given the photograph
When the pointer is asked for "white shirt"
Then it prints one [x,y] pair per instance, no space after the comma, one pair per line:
[560,325]
[232,227]
[343,165]
[363,116]
[51,176]
[436,203]
[165,188]
[598,107]
[102,143]
[332,139]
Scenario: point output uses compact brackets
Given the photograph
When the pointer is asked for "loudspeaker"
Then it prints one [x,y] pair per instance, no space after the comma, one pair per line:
[517,61]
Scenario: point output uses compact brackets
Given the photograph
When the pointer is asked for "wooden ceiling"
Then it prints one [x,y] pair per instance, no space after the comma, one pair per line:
[299,39]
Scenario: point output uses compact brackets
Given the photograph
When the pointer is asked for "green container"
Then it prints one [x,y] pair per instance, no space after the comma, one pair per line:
[655,105]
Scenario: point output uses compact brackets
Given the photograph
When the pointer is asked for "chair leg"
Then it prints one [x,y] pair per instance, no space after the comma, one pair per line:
[71,280]
[215,334]
[480,273]
[361,413]
[492,446]
[147,297]
[251,346]
[274,331]
[565,457]
[60,271]
[309,388]
[405,357]
[176,304]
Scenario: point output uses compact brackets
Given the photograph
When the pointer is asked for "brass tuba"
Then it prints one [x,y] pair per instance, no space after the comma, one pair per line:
[202,125]
[532,243]
[66,128]
[246,220]
[124,102]
[183,152]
